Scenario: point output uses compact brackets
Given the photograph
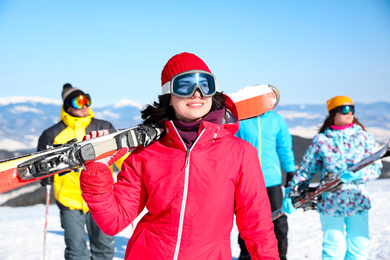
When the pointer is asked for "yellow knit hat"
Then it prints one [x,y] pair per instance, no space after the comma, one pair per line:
[337,101]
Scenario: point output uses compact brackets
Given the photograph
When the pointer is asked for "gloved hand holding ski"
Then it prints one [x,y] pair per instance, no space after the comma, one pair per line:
[288,206]
[350,176]
[97,178]
[16,172]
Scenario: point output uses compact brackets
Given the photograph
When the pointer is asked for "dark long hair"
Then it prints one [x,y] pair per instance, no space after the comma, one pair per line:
[329,120]
[162,111]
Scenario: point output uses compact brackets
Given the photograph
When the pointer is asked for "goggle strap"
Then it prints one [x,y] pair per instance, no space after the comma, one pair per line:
[166,88]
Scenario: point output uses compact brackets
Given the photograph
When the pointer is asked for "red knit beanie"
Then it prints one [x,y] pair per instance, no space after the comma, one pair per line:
[180,63]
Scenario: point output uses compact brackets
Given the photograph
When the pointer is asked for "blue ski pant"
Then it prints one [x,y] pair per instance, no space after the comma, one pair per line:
[76,224]
[345,237]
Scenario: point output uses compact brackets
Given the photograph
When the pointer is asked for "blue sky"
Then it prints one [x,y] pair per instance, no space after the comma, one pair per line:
[310,50]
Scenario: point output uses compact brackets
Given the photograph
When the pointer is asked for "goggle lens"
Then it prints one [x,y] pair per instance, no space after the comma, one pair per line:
[185,85]
[80,101]
[346,109]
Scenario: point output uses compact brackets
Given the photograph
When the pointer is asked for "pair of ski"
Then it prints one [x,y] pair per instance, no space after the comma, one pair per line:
[16,172]
[61,159]
[308,196]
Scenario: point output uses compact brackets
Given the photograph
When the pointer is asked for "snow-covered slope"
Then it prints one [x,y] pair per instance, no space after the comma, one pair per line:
[21,235]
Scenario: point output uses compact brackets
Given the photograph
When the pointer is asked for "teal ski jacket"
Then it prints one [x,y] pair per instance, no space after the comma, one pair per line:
[269,134]
[334,151]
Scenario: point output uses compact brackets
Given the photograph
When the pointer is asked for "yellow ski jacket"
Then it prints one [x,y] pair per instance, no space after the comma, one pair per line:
[67,187]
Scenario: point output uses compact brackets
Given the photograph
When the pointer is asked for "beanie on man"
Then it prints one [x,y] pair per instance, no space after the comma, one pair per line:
[180,63]
[337,101]
[68,93]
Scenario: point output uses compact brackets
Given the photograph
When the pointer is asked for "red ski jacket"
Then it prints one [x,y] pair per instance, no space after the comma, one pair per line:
[191,196]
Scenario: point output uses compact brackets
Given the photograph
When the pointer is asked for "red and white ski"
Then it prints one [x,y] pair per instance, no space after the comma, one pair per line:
[255,100]
[19,171]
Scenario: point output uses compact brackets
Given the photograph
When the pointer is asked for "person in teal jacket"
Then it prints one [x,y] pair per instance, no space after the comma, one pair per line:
[269,134]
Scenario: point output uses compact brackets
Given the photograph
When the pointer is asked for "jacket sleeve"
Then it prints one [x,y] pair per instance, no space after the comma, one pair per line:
[311,163]
[115,210]
[372,171]
[252,209]
[44,140]
[284,147]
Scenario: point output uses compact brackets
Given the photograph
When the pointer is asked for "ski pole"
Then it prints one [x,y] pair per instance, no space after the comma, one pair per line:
[48,188]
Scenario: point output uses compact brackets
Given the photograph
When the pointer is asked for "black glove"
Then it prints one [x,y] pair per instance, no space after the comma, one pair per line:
[290,175]
[47,181]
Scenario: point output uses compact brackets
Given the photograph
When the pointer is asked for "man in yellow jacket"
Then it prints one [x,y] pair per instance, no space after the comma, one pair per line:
[77,120]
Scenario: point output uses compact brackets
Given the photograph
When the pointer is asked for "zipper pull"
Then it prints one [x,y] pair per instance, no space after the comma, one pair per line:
[187,158]
[215,134]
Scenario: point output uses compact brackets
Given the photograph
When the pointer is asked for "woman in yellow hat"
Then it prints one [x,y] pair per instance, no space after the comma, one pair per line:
[342,141]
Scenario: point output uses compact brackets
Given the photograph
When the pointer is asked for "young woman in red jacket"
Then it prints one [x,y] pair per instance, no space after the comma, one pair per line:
[192,181]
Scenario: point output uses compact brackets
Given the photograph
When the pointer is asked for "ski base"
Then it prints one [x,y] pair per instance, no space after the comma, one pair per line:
[254,101]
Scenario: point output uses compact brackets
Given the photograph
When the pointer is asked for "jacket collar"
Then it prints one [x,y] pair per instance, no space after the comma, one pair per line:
[344,132]
[75,122]
[210,131]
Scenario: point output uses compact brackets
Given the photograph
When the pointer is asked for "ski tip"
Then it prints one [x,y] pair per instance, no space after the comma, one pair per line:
[255,100]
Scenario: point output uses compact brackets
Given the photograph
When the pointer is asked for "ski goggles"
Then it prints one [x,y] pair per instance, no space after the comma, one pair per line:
[345,109]
[80,101]
[185,84]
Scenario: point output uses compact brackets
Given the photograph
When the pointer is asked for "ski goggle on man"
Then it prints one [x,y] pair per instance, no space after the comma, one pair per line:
[345,109]
[185,84]
[81,100]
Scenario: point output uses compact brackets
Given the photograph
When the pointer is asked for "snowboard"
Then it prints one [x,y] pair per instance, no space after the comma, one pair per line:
[308,196]
[255,100]
[19,171]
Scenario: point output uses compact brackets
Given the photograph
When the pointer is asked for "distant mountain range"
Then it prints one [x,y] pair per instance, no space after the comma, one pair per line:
[22,119]
[305,120]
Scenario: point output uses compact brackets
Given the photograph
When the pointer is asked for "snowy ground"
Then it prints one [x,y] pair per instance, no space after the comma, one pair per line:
[21,231]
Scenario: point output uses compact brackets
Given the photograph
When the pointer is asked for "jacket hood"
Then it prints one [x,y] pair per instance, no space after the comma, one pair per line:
[230,120]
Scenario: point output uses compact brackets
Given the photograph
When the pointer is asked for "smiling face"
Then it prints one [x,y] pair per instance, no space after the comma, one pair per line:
[191,109]
[342,120]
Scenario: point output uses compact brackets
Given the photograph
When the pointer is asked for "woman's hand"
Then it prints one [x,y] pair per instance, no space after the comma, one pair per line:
[287,204]
[97,178]
[350,176]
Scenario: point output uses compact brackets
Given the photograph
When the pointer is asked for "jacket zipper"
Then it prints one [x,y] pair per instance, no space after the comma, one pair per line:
[185,192]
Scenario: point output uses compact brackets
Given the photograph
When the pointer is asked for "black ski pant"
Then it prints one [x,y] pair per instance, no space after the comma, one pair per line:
[275,195]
